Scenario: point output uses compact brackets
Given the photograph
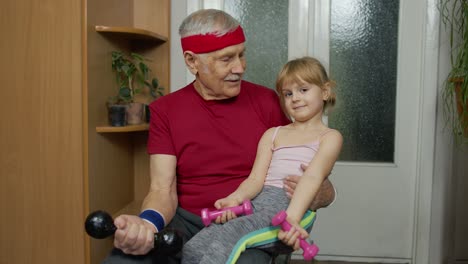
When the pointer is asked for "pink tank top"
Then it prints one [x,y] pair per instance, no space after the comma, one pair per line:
[287,160]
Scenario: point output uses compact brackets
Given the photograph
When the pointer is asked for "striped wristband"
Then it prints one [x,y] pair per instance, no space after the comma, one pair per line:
[153,217]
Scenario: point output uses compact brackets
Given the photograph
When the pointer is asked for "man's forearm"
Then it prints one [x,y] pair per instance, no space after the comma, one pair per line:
[324,197]
[162,202]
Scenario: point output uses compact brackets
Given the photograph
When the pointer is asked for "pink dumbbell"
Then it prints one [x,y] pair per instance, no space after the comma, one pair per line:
[309,250]
[207,216]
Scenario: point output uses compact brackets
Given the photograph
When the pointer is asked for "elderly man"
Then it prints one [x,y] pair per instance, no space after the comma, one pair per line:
[202,140]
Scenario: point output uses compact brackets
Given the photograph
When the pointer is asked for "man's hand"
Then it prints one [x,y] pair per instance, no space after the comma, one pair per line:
[324,197]
[134,235]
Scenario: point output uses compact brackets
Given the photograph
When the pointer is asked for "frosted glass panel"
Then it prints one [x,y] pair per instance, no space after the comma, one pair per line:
[363,61]
[265,25]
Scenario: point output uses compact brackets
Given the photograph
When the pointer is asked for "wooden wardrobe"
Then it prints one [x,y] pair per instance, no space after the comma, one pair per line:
[59,159]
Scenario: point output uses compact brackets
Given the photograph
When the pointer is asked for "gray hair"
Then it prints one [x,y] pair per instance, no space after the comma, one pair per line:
[207,21]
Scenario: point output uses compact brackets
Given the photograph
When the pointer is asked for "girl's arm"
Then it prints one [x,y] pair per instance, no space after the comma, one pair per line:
[251,186]
[317,171]
[308,186]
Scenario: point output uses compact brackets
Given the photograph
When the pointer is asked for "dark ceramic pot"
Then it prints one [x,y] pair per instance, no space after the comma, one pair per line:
[147,113]
[118,115]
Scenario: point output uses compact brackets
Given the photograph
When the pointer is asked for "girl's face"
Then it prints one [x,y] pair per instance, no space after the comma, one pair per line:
[303,101]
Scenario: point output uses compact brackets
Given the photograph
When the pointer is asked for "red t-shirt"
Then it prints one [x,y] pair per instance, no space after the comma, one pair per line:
[215,141]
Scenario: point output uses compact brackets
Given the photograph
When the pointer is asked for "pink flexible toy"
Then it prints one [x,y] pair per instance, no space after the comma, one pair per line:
[309,250]
[208,216]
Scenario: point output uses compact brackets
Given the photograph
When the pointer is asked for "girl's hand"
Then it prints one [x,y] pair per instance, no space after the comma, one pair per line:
[291,237]
[226,202]
[227,215]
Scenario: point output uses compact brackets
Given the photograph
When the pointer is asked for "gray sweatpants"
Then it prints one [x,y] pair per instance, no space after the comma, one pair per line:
[215,243]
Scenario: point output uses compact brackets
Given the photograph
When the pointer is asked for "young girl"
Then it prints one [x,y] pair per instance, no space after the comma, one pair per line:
[305,91]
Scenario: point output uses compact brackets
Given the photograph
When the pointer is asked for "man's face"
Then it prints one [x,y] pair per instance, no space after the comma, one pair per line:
[219,73]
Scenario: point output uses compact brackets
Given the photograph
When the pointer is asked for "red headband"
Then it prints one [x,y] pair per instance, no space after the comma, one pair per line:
[211,42]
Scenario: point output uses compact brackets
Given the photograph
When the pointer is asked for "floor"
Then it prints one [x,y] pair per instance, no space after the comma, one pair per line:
[281,260]
[295,261]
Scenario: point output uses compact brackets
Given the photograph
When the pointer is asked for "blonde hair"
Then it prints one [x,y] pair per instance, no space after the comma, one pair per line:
[309,70]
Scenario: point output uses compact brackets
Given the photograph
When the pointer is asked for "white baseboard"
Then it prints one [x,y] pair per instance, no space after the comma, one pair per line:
[319,257]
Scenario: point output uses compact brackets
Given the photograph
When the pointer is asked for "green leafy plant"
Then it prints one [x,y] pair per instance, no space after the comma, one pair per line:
[132,76]
[156,90]
[454,16]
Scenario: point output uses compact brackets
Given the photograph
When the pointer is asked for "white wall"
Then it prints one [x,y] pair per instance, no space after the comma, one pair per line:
[461,207]
[449,217]
[178,70]
[441,236]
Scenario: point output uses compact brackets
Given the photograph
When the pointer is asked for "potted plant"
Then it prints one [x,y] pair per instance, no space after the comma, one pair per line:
[132,77]
[454,16]
[155,92]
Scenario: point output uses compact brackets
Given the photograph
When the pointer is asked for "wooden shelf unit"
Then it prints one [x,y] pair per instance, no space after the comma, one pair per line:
[117,159]
[131,208]
[132,33]
[122,129]
[55,167]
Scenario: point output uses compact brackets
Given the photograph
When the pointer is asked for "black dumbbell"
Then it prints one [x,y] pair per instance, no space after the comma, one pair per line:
[100,224]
